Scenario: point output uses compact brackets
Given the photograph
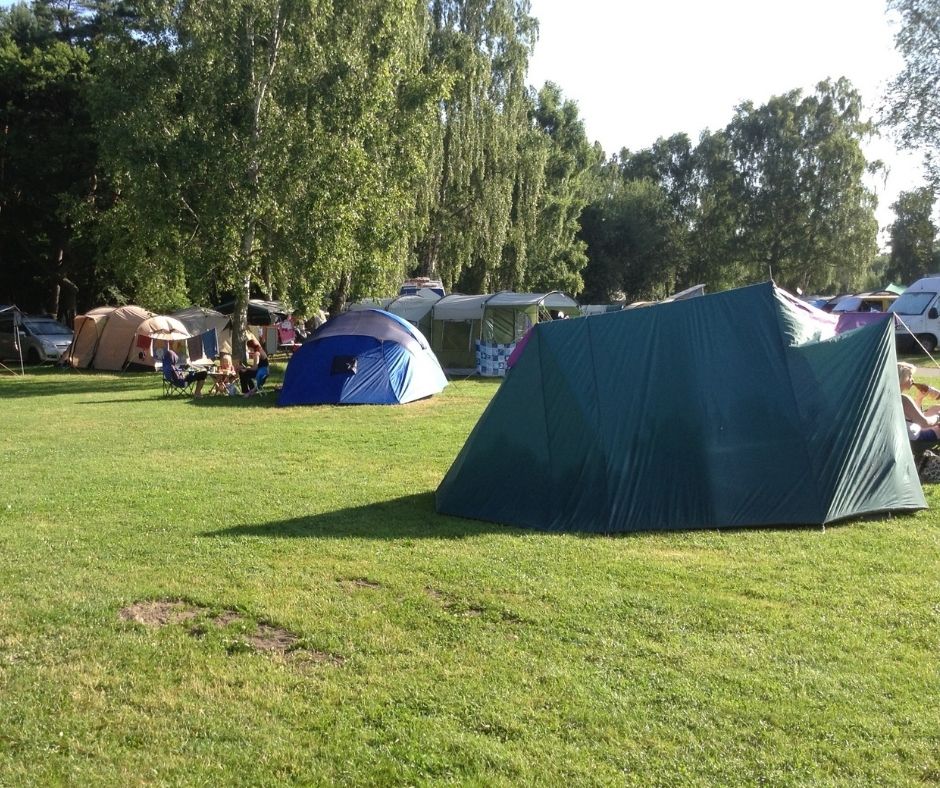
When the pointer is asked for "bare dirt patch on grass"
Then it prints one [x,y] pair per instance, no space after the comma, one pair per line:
[160,612]
[359,582]
[265,637]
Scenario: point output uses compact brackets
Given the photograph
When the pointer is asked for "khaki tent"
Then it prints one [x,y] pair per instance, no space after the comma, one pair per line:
[87,331]
[117,338]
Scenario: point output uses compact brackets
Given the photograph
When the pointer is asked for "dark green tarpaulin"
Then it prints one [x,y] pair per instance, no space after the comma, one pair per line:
[723,411]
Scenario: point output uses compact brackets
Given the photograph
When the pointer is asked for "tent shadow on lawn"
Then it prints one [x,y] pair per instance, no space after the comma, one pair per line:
[412,516]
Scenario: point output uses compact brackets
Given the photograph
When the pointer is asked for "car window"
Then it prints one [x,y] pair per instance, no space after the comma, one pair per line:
[912,303]
[6,326]
[46,327]
[848,305]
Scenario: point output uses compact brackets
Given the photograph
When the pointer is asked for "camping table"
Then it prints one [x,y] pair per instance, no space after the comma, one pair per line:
[221,379]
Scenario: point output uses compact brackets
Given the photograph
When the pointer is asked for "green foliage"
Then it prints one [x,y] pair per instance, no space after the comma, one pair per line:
[314,151]
[635,244]
[480,196]
[450,651]
[913,236]
[556,255]
[262,143]
[48,154]
[810,219]
[914,95]
[778,193]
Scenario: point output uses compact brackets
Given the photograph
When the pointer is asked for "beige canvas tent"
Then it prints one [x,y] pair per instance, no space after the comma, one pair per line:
[87,331]
[117,339]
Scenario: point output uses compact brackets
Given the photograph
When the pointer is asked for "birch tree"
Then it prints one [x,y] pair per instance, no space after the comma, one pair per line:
[252,144]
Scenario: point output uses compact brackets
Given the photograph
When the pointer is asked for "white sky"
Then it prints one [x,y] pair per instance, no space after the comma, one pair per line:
[643,69]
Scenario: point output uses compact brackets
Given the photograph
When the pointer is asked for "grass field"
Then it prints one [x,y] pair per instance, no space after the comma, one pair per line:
[222,592]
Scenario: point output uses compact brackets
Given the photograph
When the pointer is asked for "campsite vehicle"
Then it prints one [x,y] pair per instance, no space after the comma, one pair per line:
[918,310]
[865,302]
[414,286]
[41,338]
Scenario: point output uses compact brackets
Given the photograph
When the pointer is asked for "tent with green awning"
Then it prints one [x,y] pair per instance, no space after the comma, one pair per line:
[741,408]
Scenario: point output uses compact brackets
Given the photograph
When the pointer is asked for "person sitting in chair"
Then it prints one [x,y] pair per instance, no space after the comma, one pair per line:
[176,376]
[257,360]
[224,375]
[923,424]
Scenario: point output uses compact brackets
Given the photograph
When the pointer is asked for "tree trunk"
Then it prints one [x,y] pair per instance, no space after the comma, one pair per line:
[68,310]
[240,313]
[340,294]
[52,306]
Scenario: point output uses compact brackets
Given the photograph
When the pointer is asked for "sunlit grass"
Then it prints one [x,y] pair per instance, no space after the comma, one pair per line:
[452,650]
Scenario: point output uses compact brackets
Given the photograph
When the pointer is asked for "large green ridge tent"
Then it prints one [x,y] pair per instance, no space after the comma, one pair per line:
[735,409]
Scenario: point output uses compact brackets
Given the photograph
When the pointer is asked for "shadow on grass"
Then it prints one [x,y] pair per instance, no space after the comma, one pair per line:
[51,382]
[412,516]
[45,381]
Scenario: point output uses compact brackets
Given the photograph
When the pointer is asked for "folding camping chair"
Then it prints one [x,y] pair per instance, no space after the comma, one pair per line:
[923,452]
[258,385]
[175,383]
[286,337]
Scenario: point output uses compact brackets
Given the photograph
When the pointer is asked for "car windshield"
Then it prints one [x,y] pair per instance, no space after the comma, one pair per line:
[848,305]
[912,303]
[46,327]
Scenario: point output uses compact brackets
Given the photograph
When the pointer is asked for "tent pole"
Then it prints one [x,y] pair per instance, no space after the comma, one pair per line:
[914,337]
[16,340]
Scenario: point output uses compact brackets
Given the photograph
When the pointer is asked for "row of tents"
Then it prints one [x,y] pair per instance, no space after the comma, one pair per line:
[743,408]
[456,326]
[128,337]
[131,338]
[477,333]
[467,333]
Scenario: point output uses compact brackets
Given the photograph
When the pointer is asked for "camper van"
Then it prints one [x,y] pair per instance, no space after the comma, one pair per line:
[918,308]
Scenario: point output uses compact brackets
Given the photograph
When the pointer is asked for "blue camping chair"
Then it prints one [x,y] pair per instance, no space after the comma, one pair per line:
[176,383]
[260,378]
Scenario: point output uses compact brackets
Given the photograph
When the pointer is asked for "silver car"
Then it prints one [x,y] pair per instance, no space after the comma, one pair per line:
[41,338]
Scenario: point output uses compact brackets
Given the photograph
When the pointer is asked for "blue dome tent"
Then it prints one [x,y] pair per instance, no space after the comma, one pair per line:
[368,357]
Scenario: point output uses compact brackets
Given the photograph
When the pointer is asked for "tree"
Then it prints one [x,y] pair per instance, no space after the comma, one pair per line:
[779,192]
[809,218]
[482,153]
[555,254]
[913,235]
[913,101]
[633,242]
[714,254]
[260,144]
[48,156]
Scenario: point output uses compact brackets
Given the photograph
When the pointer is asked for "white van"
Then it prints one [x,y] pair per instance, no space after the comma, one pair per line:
[918,308]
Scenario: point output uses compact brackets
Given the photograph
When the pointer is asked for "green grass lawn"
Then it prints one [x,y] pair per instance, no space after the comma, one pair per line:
[330,627]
